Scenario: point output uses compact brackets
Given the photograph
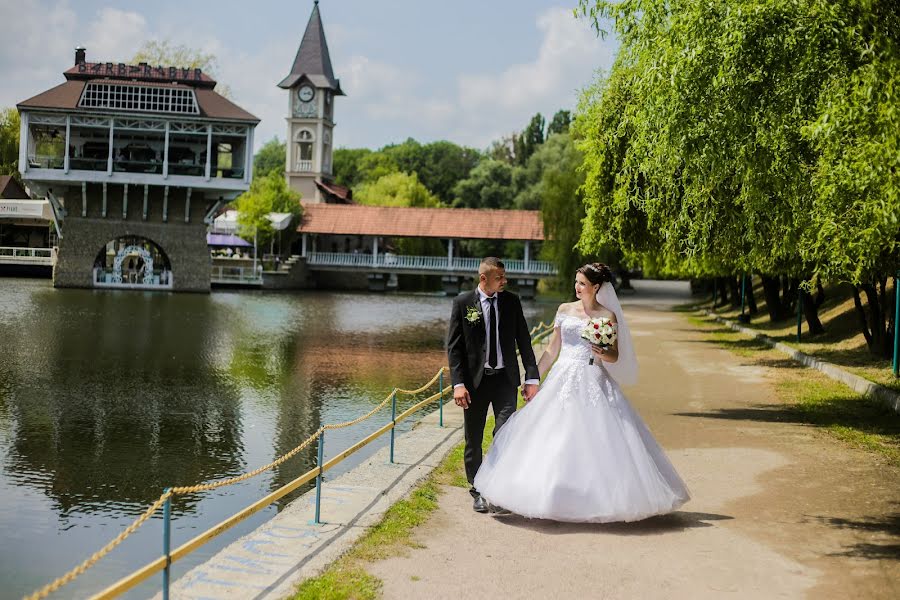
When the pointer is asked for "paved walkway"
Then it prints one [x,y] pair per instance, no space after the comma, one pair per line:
[779,510]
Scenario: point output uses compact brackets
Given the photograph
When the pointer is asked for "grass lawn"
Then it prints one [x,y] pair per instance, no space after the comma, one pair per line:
[842,344]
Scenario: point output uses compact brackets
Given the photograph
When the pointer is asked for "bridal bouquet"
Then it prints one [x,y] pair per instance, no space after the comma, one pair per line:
[600,332]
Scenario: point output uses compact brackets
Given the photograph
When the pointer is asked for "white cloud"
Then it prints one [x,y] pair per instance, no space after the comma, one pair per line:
[482,106]
[386,102]
[492,104]
[115,35]
[30,58]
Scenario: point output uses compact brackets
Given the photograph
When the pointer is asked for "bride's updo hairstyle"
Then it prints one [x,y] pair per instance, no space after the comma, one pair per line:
[596,273]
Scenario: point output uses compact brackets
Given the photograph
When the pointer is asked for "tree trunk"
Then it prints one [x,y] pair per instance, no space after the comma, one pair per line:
[751,299]
[734,285]
[877,345]
[771,288]
[820,295]
[812,314]
[722,287]
[861,313]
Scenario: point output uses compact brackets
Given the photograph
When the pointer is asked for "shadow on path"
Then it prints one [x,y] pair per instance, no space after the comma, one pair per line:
[670,523]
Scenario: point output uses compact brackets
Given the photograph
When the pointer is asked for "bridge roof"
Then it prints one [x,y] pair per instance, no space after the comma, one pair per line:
[458,223]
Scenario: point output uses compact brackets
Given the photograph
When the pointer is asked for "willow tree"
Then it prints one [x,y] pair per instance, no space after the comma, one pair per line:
[855,232]
[710,104]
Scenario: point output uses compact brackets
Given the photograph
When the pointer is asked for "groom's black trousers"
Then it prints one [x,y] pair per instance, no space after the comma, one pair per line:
[497,391]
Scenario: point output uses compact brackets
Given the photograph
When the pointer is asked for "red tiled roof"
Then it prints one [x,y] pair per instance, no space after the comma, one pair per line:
[458,223]
[11,189]
[340,192]
[66,96]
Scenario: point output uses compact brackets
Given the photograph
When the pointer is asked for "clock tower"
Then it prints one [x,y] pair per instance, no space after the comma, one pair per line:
[312,89]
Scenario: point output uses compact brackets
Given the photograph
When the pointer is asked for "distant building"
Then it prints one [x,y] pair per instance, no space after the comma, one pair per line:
[312,90]
[135,161]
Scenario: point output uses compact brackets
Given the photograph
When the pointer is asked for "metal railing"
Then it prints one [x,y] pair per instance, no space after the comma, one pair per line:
[437,264]
[236,275]
[169,556]
[26,256]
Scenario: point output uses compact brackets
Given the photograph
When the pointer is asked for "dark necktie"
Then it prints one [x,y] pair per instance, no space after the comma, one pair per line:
[492,342]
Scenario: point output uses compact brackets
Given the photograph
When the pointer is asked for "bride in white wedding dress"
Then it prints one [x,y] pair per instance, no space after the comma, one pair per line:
[578,451]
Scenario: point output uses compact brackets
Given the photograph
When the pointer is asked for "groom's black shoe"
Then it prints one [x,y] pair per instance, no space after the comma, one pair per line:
[480,505]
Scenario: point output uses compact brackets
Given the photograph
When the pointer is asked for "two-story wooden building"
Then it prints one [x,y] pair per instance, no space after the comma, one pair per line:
[135,161]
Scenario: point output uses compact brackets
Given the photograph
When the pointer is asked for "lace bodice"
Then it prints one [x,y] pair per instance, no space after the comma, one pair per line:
[573,347]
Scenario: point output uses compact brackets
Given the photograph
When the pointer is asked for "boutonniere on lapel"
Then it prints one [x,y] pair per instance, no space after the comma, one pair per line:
[472,315]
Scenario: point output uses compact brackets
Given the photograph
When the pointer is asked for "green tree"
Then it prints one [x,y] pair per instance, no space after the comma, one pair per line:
[699,141]
[270,158]
[489,185]
[375,165]
[560,122]
[9,142]
[166,53]
[529,140]
[439,165]
[396,189]
[268,193]
[346,162]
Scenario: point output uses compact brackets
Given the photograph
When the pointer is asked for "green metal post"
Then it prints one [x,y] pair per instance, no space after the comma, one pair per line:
[394,421]
[321,461]
[167,541]
[799,312]
[441,405]
[896,324]
[743,293]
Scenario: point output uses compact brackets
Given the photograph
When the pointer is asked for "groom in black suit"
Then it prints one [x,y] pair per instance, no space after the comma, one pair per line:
[486,325]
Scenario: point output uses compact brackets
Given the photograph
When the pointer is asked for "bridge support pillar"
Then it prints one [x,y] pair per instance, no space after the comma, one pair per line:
[377,282]
[452,284]
[527,288]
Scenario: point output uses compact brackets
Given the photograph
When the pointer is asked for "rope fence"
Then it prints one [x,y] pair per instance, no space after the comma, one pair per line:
[162,563]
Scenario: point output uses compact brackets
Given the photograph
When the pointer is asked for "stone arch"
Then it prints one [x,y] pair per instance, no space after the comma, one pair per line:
[133,261]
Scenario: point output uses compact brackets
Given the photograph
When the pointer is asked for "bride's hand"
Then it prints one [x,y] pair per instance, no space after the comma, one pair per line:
[598,352]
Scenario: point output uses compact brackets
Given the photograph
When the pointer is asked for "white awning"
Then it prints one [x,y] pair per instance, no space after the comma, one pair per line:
[280,221]
[227,221]
[26,209]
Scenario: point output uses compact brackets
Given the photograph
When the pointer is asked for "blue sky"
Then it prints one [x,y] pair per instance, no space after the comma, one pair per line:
[468,71]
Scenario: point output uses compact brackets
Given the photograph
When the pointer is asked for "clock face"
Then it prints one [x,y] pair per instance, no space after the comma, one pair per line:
[306,93]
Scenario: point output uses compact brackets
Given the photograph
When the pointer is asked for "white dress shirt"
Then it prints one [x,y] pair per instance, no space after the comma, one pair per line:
[486,313]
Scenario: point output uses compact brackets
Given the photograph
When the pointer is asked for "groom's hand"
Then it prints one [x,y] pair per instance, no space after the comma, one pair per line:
[528,391]
[461,396]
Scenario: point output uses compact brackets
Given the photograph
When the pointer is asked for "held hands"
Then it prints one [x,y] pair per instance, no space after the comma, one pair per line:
[461,396]
[528,391]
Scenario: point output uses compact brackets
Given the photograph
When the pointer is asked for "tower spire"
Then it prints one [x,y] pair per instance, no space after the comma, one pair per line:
[313,60]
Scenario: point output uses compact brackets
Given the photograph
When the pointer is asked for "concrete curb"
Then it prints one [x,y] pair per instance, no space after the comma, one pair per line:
[858,384]
[270,561]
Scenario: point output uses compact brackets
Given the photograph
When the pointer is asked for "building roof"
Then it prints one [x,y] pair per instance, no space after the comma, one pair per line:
[458,223]
[142,72]
[313,60]
[11,189]
[335,193]
[66,95]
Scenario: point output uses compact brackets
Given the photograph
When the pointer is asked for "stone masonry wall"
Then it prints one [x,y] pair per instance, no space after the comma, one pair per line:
[84,237]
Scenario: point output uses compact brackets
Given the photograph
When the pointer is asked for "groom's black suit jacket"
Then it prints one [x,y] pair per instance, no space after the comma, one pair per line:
[467,342]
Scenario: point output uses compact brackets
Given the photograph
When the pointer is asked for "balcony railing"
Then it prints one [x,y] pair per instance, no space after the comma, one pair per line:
[304,166]
[26,256]
[437,264]
[236,275]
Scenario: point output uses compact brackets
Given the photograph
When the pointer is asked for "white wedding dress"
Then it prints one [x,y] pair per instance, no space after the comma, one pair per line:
[578,451]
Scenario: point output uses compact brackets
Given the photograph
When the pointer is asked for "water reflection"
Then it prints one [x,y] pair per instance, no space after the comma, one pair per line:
[107,397]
